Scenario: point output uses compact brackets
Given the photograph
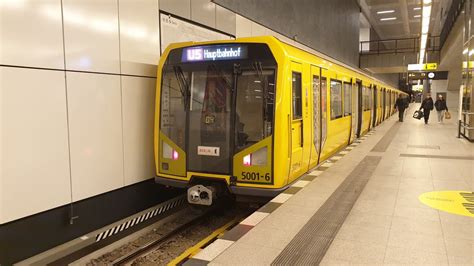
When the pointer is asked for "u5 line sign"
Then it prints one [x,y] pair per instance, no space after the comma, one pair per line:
[213,53]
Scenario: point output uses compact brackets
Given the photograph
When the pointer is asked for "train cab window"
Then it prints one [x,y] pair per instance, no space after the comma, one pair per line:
[347,99]
[254,106]
[336,99]
[296,96]
[173,110]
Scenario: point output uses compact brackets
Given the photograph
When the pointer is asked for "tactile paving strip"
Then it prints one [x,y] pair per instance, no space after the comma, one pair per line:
[383,144]
[309,246]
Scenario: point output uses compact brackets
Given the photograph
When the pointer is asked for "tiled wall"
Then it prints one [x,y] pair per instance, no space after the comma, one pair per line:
[77,88]
[69,135]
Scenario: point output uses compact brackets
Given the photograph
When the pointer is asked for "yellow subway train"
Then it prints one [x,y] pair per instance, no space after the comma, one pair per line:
[252,115]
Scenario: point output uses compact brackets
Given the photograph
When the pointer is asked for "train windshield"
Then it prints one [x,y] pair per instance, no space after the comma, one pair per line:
[214,108]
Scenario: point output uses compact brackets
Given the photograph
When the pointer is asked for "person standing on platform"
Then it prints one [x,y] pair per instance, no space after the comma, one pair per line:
[440,106]
[400,104]
[427,106]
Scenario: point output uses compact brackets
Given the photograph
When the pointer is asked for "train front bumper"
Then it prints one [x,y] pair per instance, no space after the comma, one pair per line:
[241,191]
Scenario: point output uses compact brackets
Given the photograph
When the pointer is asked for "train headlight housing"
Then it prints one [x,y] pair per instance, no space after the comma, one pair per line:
[169,152]
[257,158]
[248,160]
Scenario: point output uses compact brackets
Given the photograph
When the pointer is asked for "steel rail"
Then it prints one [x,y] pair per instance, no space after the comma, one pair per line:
[156,243]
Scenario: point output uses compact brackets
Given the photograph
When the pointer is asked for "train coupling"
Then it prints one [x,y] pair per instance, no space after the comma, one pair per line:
[201,195]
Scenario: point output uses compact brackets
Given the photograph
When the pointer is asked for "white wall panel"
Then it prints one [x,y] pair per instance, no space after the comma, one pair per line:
[177,30]
[34,172]
[204,12]
[225,20]
[91,35]
[95,125]
[139,37]
[138,101]
[243,27]
[31,33]
[258,30]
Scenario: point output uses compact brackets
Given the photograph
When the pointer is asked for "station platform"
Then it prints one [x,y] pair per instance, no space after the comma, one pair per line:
[367,205]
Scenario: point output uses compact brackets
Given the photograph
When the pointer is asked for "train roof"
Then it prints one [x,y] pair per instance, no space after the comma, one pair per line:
[291,50]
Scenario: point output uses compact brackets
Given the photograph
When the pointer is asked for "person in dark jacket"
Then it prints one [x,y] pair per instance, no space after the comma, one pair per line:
[427,106]
[400,104]
[440,106]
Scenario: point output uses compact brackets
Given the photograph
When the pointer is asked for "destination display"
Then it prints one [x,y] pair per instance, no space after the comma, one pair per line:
[213,53]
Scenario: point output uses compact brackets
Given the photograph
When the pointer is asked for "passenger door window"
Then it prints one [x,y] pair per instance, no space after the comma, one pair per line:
[336,99]
[316,113]
[347,99]
[296,96]
[324,111]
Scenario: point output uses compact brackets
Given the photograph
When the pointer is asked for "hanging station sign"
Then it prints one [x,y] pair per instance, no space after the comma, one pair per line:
[422,67]
[214,52]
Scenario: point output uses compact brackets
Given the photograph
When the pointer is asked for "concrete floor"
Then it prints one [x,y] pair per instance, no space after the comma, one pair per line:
[387,223]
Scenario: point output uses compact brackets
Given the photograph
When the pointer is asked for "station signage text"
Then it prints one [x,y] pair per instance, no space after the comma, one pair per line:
[213,53]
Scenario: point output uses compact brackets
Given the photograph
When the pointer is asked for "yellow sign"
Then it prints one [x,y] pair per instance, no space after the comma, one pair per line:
[431,66]
[421,67]
[455,202]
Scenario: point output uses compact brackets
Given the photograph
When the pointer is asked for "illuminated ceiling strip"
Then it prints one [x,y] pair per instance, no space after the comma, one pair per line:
[386,11]
[425,26]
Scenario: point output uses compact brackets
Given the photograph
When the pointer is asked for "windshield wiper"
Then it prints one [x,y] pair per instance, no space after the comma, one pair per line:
[183,85]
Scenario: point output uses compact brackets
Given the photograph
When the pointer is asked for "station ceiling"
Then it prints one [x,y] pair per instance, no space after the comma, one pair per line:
[407,22]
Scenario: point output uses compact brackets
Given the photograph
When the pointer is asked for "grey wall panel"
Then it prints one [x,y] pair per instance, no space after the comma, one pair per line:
[331,27]
[225,20]
[181,8]
[391,79]
[204,12]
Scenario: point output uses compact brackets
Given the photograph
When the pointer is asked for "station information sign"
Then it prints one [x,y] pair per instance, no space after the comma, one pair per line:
[214,52]
[422,67]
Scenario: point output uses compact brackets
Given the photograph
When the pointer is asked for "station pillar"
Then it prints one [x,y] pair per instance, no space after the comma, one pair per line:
[466,116]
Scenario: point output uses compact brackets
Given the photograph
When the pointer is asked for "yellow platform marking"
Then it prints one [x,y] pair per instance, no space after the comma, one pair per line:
[188,253]
[455,202]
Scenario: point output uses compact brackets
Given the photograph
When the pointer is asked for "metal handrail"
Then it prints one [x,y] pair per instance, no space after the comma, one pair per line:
[401,45]
[465,126]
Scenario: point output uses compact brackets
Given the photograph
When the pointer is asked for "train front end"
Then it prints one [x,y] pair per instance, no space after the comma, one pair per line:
[214,123]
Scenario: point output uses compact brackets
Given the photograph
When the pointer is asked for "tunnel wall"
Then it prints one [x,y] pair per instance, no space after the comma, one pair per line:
[330,27]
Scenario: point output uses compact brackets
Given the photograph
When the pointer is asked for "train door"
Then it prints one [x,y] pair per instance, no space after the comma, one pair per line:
[316,107]
[374,105]
[296,120]
[325,76]
[353,100]
[384,104]
[358,105]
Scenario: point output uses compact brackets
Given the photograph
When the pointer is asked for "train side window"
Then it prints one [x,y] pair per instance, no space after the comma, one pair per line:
[336,99]
[296,96]
[347,99]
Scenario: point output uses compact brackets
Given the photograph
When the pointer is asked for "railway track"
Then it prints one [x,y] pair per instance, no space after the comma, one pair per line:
[177,240]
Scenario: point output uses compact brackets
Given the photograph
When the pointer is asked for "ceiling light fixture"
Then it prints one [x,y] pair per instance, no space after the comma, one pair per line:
[425,26]
[385,11]
[416,8]
[386,19]
[417,16]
